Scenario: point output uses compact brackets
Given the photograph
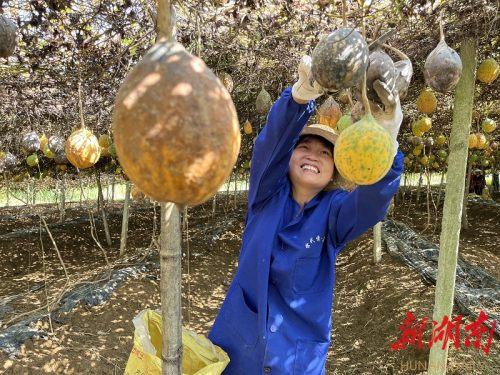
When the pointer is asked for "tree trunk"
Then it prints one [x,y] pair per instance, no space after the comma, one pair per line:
[465,221]
[100,198]
[170,289]
[126,205]
[452,211]
[377,242]
[62,200]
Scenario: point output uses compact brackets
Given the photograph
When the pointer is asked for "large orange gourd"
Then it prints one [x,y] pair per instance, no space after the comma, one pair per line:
[175,127]
[82,148]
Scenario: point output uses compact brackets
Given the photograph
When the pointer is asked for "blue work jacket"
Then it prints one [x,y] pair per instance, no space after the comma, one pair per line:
[276,317]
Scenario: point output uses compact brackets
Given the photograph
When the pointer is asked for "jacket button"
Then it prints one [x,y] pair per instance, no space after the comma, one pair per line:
[267,370]
[273,328]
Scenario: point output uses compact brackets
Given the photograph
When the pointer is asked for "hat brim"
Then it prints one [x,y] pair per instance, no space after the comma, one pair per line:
[321,130]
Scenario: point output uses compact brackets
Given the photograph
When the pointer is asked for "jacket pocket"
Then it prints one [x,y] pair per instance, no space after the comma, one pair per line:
[309,276]
[310,357]
[241,318]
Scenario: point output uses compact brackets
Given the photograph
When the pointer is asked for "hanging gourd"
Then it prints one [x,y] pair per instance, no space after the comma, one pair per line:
[424,160]
[381,68]
[32,160]
[429,141]
[344,97]
[488,71]
[472,141]
[30,143]
[56,144]
[482,142]
[443,66]
[227,81]
[182,124]
[488,125]
[427,102]
[424,124]
[340,59]
[104,140]
[44,142]
[441,139]
[329,113]
[344,122]
[9,161]
[8,36]
[263,102]
[404,72]
[247,127]
[416,129]
[442,154]
[364,152]
[82,148]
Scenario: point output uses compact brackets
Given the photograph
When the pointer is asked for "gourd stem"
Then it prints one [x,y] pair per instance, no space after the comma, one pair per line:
[80,105]
[364,97]
[441,31]
[400,53]
[344,13]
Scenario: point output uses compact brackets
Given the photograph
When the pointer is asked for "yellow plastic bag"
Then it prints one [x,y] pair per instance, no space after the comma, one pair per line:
[199,355]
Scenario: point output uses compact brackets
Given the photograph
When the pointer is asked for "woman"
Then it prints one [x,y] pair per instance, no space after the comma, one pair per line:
[276,317]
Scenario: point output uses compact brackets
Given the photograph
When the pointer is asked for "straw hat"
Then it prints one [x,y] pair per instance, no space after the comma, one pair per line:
[324,131]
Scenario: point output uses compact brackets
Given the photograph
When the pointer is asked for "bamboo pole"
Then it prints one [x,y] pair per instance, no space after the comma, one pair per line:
[170,289]
[170,246]
[126,205]
[450,232]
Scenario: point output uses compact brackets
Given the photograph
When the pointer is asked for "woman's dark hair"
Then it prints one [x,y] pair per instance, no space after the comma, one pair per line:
[324,141]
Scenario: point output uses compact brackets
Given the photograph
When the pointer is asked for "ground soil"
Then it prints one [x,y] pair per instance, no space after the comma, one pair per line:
[370,300]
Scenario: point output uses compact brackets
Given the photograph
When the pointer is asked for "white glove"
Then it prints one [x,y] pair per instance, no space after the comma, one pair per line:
[391,116]
[306,88]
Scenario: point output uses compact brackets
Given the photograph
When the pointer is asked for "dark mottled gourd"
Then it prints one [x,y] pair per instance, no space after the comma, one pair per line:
[263,102]
[30,143]
[381,67]
[340,59]
[56,144]
[8,36]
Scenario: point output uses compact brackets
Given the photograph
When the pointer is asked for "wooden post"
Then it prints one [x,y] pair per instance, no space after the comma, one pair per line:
[450,232]
[377,242]
[62,200]
[170,289]
[8,189]
[420,180]
[126,205]
[440,188]
[100,198]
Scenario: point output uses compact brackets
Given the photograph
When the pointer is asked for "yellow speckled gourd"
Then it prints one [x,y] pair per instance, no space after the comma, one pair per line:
[82,148]
[441,140]
[488,71]
[472,141]
[482,142]
[427,102]
[489,125]
[247,127]
[364,152]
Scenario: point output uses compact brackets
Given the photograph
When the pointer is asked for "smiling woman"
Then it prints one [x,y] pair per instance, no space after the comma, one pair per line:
[276,315]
